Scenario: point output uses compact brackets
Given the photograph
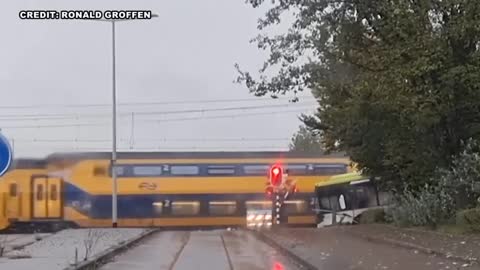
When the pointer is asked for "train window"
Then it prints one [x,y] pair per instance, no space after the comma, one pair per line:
[158,207]
[296,169]
[39,194]
[13,190]
[258,205]
[185,208]
[256,169]
[295,207]
[99,171]
[120,170]
[147,170]
[184,170]
[222,208]
[329,170]
[53,193]
[221,170]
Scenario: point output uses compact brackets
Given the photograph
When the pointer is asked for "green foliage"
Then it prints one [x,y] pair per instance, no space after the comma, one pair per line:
[463,177]
[398,82]
[453,189]
[429,206]
[373,216]
[469,219]
[306,141]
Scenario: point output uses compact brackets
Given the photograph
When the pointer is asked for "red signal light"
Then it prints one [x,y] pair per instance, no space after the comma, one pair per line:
[276,175]
[278,266]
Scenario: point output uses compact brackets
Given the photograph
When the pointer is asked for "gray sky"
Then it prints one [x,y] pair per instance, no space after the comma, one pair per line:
[187,54]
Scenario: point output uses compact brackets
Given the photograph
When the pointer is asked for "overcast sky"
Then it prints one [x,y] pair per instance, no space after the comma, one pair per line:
[49,71]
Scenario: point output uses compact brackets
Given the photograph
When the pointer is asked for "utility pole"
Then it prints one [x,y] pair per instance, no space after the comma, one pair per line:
[113,160]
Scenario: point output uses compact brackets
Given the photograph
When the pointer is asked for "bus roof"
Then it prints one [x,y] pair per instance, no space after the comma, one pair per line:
[341,179]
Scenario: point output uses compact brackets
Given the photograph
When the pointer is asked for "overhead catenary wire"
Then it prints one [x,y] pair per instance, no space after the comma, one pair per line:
[141,140]
[57,116]
[173,102]
[151,120]
[161,147]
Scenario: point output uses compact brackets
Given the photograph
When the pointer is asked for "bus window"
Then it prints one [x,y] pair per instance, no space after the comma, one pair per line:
[334,202]
[341,201]
[325,203]
[361,198]
[222,208]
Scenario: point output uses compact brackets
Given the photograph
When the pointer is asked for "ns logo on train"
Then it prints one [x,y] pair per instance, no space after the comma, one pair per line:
[147,186]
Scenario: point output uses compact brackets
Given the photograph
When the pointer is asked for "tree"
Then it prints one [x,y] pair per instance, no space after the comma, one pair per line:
[306,141]
[397,82]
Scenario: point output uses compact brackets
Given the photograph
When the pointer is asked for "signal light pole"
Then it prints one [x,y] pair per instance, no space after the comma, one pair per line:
[277,209]
[279,188]
[276,182]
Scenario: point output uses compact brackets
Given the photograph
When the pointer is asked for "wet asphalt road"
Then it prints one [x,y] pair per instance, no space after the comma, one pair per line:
[212,250]
[334,249]
[327,249]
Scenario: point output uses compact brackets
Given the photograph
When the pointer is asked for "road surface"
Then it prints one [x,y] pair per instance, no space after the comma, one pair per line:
[326,249]
[212,250]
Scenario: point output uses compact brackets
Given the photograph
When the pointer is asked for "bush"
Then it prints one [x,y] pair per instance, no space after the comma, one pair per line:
[451,189]
[464,176]
[372,216]
[428,207]
[469,219]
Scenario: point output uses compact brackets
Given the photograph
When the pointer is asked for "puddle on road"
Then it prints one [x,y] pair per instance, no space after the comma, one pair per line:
[247,253]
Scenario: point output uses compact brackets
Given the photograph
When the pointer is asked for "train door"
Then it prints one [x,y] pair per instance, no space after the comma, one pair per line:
[46,197]
[3,210]
[12,200]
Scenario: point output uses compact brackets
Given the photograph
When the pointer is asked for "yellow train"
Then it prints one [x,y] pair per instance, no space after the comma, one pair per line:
[157,189]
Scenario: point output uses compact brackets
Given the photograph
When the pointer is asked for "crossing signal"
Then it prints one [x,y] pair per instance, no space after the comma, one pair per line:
[276,175]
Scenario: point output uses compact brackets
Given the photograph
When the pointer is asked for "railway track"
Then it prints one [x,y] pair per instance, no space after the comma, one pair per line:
[219,249]
[184,240]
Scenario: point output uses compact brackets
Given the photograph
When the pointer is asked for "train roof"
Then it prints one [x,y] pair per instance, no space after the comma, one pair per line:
[28,163]
[184,155]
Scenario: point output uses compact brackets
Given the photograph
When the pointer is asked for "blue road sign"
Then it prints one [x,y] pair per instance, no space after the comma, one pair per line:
[5,155]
